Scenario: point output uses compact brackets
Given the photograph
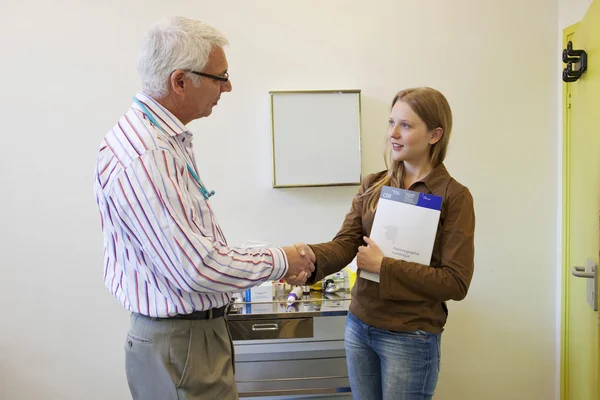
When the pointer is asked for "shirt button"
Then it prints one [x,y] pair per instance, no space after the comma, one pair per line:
[130,343]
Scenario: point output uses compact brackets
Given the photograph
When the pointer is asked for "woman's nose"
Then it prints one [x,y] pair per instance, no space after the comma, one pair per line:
[394,132]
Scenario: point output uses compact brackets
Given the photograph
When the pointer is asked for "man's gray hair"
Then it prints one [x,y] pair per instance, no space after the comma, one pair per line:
[175,43]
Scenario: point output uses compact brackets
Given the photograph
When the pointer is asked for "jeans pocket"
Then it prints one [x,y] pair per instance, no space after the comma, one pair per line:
[417,335]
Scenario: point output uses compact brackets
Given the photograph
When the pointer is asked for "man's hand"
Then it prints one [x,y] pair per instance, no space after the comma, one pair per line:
[369,258]
[300,267]
[305,250]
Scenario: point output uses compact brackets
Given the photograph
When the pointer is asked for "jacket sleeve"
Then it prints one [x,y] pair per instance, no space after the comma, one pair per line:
[335,255]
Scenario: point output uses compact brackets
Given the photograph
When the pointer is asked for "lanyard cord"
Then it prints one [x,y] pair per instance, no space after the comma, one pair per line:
[146,112]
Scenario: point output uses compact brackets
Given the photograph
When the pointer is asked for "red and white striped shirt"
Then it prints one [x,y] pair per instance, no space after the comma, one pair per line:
[164,253]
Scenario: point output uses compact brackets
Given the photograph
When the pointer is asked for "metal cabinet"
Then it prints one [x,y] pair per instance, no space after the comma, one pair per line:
[291,355]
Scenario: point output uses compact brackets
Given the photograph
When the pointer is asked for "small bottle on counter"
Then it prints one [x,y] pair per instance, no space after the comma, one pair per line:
[306,305]
[294,295]
[279,289]
[346,280]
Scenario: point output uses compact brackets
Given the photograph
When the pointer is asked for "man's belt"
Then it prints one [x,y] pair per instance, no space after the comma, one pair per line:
[206,314]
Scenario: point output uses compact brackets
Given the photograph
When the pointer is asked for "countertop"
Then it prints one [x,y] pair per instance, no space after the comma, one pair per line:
[317,304]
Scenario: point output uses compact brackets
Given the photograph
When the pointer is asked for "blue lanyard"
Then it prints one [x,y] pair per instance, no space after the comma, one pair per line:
[146,112]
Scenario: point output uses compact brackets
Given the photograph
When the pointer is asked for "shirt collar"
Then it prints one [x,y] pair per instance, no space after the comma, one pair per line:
[437,180]
[169,122]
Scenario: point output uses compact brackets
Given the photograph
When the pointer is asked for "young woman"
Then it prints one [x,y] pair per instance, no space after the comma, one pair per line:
[394,327]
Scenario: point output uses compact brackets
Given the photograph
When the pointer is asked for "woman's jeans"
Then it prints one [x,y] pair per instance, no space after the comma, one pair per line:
[388,365]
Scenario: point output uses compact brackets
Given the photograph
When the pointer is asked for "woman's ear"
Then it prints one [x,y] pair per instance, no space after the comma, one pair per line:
[436,135]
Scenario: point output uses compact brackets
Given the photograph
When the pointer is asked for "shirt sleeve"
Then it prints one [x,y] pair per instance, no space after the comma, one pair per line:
[402,280]
[334,255]
[153,204]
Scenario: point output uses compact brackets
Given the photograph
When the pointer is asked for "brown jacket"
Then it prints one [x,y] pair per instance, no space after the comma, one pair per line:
[409,296]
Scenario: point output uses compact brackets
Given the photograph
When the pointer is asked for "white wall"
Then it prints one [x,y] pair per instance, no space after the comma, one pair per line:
[570,12]
[68,74]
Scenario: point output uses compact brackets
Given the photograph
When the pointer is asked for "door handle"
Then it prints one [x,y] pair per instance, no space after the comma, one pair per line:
[590,272]
[580,272]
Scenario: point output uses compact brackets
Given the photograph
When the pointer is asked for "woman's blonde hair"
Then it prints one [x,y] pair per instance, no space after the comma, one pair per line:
[433,108]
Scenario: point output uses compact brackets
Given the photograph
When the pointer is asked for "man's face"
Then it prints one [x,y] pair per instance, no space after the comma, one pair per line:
[202,99]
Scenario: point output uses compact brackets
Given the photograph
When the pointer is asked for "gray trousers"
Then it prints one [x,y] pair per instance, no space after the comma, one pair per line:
[176,359]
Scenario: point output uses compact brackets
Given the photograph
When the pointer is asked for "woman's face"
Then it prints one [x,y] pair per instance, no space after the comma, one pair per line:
[410,140]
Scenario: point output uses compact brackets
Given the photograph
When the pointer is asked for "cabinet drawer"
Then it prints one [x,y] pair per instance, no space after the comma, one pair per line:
[262,329]
[295,372]
[288,388]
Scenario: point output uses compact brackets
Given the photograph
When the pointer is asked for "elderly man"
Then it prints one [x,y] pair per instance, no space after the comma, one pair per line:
[166,259]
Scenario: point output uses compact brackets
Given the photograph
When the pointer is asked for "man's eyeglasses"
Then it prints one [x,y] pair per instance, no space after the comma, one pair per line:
[223,78]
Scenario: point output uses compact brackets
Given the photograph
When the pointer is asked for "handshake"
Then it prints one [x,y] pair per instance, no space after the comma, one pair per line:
[301,263]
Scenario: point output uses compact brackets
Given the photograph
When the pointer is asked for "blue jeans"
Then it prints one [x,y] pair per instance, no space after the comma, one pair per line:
[386,365]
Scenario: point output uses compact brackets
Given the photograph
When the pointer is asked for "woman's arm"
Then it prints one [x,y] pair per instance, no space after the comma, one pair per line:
[334,255]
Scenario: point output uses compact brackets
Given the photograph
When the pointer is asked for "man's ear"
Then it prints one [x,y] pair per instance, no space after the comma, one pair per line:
[436,135]
[177,81]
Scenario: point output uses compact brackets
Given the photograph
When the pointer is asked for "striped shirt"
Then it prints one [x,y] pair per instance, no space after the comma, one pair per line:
[164,253]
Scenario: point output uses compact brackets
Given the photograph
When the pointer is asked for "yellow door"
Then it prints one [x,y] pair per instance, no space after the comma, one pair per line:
[581,233]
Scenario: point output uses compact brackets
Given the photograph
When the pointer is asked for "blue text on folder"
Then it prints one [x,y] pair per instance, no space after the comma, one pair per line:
[418,199]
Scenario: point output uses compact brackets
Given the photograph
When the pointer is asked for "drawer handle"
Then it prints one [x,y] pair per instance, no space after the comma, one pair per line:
[265,327]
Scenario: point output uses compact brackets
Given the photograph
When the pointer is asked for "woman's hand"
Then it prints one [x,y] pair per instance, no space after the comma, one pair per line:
[369,258]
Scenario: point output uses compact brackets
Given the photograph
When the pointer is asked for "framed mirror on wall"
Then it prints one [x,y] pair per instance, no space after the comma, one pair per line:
[316,138]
